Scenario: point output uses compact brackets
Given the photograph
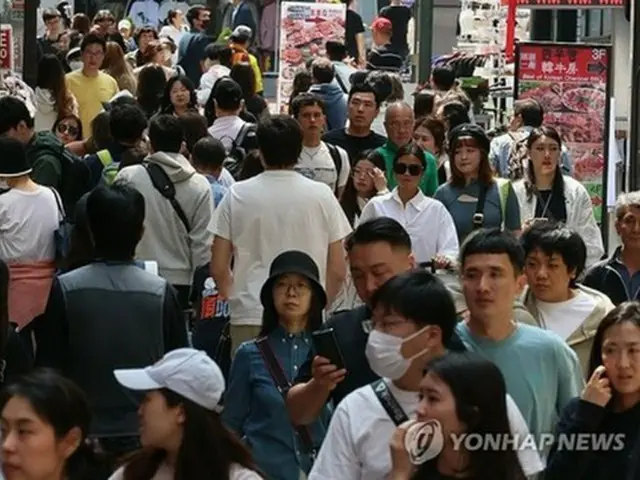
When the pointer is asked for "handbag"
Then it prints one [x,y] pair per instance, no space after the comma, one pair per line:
[62,235]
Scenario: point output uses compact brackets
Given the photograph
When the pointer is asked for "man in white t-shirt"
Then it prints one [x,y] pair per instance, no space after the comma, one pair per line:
[275,211]
[318,160]
[228,104]
[413,322]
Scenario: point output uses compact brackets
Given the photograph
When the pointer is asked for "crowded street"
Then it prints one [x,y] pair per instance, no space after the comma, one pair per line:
[319,240]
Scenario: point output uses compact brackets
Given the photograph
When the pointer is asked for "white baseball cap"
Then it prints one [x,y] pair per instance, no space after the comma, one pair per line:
[185,371]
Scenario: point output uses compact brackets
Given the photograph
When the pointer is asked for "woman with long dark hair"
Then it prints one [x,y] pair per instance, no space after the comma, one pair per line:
[151,86]
[181,432]
[179,96]
[609,407]
[461,394]
[472,195]
[243,74]
[367,180]
[293,300]
[545,192]
[430,134]
[45,423]
[53,98]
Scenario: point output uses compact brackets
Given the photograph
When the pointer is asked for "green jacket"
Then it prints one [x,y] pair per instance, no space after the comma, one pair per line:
[429,180]
[44,153]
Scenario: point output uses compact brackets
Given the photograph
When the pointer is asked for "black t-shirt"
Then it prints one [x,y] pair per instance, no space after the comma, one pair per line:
[354,26]
[354,145]
[399,16]
[352,340]
[551,206]
[386,57]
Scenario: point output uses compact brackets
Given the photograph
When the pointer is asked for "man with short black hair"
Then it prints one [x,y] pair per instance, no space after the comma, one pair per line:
[175,227]
[215,65]
[527,115]
[109,314]
[228,102]
[275,211]
[541,371]
[192,44]
[127,124]
[44,150]
[357,136]
[442,79]
[319,161]
[324,86]
[54,28]
[207,156]
[91,86]
[337,53]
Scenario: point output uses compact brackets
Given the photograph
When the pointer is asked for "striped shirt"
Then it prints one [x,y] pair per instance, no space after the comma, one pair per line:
[385,58]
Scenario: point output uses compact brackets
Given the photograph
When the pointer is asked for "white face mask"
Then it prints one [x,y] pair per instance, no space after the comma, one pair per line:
[75,65]
[3,184]
[383,352]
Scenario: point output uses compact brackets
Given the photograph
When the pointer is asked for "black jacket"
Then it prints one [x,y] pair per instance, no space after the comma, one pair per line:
[605,278]
[618,460]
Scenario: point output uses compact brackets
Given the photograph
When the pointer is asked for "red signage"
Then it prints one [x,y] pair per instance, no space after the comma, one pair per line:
[571,82]
[568,3]
[6,47]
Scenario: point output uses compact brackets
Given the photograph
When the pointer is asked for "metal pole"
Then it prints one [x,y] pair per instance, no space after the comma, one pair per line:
[424,25]
[634,124]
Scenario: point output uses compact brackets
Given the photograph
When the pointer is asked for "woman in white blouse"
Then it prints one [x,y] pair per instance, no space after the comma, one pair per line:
[545,193]
[429,224]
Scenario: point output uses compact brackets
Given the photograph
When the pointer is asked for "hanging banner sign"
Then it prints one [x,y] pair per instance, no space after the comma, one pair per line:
[6,47]
[572,82]
[304,30]
[567,3]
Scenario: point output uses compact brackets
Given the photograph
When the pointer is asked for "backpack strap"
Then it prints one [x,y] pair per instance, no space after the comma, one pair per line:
[503,193]
[242,134]
[163,184]
[478,216]
[105,157]
[389,402]
[337,161]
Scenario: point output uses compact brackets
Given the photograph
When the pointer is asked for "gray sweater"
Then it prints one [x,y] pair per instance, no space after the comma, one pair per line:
[165,238]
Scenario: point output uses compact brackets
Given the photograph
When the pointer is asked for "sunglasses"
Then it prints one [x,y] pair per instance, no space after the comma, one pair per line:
[70,129]
[402,168]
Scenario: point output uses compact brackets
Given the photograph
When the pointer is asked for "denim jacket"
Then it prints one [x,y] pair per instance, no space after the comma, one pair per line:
[256,411]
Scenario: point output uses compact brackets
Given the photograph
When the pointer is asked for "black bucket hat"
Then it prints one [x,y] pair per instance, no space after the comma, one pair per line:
[469,130]
[293,261]
[14,158]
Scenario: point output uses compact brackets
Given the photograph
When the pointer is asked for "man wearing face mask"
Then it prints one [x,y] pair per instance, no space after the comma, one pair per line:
[377,250]
[192,44]
[413,322]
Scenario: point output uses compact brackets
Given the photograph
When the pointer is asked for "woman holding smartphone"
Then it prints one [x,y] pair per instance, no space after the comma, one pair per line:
[545,193]
[609,408]
[293,300]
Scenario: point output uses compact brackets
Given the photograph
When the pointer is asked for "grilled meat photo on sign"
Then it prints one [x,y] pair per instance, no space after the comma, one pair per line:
[588,163]
[547,94]
[576,127]
[585,99]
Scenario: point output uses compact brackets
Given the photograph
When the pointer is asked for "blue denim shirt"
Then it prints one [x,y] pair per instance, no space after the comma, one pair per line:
[217,189]
[501,147]
[256,411]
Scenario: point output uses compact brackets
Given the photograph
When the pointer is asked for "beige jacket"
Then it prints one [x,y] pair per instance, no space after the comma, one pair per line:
[582,339]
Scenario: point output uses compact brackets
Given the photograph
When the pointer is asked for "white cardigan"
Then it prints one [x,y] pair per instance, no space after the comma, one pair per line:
[579,214]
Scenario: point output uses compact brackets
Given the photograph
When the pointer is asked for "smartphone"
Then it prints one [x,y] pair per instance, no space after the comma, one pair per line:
[327,346]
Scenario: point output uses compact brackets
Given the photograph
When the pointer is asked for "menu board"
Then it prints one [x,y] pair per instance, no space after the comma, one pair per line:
[572,84]
[304,29]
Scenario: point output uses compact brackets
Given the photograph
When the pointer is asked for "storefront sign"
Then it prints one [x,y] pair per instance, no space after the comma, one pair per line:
[567,3]
[572,82]
[6,47]
[304,30]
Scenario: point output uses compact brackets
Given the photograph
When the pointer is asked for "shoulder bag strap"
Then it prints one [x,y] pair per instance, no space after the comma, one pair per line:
[389,402]
[478,217]
[162,183]
[337,161]
[283,385]
[61,211]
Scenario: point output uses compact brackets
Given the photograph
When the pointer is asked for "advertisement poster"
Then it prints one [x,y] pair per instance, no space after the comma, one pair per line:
[304,29]
[572,84]
[6,47]
[567,3]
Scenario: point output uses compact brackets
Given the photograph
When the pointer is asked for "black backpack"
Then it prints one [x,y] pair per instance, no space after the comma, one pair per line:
[245,141]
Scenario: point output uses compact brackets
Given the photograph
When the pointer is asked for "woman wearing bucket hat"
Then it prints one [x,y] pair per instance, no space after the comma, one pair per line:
[293,301]
[180,429]
[472,195]
[29,216]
